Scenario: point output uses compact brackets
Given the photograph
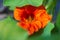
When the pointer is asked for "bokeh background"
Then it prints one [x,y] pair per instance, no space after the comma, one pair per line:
[6,24]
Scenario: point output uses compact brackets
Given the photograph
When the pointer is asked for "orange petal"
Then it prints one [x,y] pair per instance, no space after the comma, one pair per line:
[38,23]
[24,25]
[35,27]
[17,13]
[31,30]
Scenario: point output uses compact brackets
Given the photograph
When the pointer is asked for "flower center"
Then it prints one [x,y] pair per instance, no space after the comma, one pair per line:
[30,18]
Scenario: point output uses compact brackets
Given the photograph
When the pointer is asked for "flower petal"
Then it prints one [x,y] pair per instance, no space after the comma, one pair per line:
[17,13]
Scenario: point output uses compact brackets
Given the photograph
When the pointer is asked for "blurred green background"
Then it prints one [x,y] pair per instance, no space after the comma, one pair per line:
[9,29]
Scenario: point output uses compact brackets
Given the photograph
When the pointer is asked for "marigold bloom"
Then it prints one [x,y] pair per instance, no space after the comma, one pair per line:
[31,18]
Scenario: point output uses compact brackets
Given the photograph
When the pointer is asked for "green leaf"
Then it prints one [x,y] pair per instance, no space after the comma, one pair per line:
[19,3]
[10,31]
[48,29]
[35,2]
[45,2]
[49,3]
[50,6]
[14,3]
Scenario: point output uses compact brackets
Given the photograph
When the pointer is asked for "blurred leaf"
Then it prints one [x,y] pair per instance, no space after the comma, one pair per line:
[14,3]
[49,3]
[35,2]
[48,29]
[12,7]
[58,21]
[45,34]
[50,6]
[10,31]
[45,2]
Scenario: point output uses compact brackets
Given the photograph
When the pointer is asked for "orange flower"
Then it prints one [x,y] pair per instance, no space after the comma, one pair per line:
[31,18]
